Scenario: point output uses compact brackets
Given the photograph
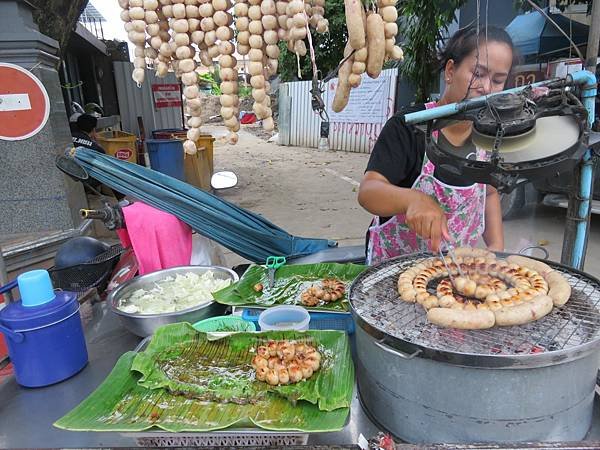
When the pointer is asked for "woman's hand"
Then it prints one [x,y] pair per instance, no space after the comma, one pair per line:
[425,217]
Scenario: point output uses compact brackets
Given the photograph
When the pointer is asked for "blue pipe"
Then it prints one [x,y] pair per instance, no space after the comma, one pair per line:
[452,108]
[587,80]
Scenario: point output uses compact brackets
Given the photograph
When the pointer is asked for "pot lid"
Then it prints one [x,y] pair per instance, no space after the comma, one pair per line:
[21,318]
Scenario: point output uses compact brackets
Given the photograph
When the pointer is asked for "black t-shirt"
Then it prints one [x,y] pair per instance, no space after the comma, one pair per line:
[81,139]
[400,149]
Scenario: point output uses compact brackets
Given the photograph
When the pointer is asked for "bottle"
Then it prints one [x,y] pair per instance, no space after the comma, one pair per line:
[323,144]
[324,139]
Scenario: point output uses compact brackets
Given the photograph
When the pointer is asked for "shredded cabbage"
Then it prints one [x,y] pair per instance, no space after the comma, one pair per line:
[174,294]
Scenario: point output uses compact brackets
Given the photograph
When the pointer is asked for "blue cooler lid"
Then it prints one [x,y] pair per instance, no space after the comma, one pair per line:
[21,318]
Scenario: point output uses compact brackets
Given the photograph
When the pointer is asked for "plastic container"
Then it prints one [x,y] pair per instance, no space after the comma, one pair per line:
[318,320]
[198,168]
[119,144]
[45,342]
[35,288]
[284,317]
[224,323]
[166,156]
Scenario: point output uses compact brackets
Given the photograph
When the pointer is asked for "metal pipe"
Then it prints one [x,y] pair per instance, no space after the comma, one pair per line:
[579,210]
[99,214]
[453,108]
[4,277]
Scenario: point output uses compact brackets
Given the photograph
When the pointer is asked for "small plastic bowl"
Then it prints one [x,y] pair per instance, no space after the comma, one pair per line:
[284,318]
[224,323]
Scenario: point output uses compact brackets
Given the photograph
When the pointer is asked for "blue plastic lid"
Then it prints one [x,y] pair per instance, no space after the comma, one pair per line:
[18,317]
[35,288]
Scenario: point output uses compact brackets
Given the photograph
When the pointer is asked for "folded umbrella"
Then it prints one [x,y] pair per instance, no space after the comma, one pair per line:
[242,231]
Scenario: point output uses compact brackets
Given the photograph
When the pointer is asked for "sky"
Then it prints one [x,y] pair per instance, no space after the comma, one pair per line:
[113,27]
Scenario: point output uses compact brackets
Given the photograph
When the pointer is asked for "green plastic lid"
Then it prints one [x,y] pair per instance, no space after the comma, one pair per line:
[224,323]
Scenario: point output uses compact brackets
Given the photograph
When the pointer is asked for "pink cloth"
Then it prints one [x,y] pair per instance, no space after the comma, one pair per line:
[159,239]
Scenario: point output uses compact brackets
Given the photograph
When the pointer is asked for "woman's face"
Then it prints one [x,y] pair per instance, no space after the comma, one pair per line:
[475,77]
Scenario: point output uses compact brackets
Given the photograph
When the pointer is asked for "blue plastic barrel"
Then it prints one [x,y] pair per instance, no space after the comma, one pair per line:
[166,156]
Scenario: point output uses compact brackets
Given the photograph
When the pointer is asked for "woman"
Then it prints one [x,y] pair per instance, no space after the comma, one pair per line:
[415,206]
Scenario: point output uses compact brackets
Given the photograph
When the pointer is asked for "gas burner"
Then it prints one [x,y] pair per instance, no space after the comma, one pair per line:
[514,113]
[518,140]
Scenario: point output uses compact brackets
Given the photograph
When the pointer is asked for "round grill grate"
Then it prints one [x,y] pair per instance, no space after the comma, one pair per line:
[374,300]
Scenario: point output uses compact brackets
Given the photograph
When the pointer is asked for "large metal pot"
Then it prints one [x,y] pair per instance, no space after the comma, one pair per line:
[145,324]
[425,384]
[425,401]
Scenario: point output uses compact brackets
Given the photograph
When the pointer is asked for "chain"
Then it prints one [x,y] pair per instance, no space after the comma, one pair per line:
[497,142]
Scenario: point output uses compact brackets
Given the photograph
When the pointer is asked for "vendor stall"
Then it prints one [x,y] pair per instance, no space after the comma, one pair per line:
[457,347]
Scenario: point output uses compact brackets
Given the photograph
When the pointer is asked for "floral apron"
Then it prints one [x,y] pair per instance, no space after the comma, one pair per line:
[465,213]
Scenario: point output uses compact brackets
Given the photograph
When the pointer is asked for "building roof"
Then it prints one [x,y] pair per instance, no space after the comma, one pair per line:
[90,13]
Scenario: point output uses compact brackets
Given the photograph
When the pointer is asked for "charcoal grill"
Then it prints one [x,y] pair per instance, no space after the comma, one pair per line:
[427,384]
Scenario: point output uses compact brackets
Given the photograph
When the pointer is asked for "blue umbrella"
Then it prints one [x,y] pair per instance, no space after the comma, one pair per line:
[237,229]
[533,35]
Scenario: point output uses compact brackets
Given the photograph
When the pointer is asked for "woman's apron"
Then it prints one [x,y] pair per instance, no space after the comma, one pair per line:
[465,213]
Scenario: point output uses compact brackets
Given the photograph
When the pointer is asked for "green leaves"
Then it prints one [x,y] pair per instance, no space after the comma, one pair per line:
[421,29]
[130,400]
[329,47]
[290,282]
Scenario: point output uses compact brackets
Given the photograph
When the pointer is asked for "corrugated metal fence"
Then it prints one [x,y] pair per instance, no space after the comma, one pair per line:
[300,126]
[138,101]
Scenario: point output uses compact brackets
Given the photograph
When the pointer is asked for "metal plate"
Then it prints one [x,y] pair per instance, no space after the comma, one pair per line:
[570,332]
[551,136]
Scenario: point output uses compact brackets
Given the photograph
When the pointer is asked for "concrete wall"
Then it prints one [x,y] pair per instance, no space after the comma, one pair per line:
[34,195]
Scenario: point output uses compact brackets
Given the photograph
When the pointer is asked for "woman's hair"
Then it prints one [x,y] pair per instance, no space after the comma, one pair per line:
[465,40]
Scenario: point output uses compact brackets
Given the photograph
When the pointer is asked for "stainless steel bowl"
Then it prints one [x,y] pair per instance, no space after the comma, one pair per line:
[146,324]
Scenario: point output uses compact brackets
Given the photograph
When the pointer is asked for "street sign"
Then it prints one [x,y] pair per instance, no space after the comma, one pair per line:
[166,95]
[24,103]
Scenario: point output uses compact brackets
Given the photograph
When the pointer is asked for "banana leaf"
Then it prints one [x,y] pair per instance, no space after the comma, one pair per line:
[290,281]
[121,404]
[184,361]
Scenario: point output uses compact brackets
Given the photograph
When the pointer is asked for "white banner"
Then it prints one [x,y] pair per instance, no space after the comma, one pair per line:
[368,103]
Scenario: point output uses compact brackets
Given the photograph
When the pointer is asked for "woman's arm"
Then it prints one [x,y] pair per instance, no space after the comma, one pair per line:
[380,197]
[493,234]
[423,215]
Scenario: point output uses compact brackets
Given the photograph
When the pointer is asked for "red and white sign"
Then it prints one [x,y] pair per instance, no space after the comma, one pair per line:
[123,154]
[24,103]
[166,95]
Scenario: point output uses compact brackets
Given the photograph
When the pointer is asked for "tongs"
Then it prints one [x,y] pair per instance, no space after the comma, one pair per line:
[450,252]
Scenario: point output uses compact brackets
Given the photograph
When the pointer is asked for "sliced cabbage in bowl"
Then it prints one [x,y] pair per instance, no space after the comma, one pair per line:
[174,294]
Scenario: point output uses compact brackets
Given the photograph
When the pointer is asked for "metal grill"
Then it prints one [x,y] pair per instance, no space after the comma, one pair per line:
[374,299]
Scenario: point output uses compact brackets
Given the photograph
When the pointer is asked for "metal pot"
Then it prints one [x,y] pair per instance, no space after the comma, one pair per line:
[425,384]
[425,401]
[145,324]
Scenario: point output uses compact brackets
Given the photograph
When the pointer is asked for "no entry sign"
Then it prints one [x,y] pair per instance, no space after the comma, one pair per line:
[24,103]
[166,95]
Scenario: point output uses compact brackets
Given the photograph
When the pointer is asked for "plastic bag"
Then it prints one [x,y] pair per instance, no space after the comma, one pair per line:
[205,252]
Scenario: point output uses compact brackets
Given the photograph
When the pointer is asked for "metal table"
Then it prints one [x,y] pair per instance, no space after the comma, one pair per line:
[26,415]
